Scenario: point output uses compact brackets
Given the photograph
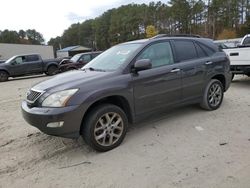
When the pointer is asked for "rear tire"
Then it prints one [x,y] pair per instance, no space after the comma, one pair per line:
[105,127]
[52,70]
[213,95]
[4,76]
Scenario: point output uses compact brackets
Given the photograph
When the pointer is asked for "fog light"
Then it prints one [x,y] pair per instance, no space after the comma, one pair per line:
[55,124]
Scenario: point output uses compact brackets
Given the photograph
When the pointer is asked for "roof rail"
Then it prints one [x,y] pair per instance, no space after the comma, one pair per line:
[175,35]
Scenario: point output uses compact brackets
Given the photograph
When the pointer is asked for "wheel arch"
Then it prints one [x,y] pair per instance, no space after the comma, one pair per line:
[117,100]
[221,78]
[5,71]
[51,64]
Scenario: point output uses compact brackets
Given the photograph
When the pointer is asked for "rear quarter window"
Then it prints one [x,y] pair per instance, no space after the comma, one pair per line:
[201,53]
[207,49]
[185,50]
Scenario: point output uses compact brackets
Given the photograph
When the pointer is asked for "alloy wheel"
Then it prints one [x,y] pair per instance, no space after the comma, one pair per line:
[215,95]
[108,129]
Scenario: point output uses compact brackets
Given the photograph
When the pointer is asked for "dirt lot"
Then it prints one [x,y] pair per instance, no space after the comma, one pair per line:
[186,147]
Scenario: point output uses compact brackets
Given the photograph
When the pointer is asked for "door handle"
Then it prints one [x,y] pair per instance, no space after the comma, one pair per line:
[175,70]
[234,54]
[209,63]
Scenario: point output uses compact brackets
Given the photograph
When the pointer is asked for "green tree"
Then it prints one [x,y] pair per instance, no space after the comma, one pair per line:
[22,34]
[207,18]
[56,43]
[8,36]
[101,27]
[87,33]
[34,37]
[71,36]
[181,15]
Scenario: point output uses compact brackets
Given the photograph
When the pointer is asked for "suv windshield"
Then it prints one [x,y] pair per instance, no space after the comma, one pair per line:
[75,58]
[113,58]
[10,60]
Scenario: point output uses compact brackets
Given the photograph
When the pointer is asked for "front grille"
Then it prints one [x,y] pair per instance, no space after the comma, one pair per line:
[33,95]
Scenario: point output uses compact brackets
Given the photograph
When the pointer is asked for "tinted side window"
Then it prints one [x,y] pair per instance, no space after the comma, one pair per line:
[185,50]
[20,60]
[208,50]
[95,55]
[32,58]
[160,54]
[86,58]
[200,51]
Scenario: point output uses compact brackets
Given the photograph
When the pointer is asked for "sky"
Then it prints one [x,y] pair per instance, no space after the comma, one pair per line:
[52,17]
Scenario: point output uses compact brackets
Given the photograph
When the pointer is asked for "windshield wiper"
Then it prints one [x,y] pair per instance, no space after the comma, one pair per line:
[94,69]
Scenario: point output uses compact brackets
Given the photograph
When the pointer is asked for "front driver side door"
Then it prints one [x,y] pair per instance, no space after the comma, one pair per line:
[33,64]
[160,86]
[84,60]
[17,66]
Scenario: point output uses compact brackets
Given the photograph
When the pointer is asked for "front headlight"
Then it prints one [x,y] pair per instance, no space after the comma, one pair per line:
[59,99]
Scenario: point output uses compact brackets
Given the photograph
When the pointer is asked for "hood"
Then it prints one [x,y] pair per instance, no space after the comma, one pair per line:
[65,61]
[68,80]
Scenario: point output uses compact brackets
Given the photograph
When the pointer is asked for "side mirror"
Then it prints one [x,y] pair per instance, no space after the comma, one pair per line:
[142,64]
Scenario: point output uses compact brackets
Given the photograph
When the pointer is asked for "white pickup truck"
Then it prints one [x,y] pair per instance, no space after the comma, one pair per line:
[239,56]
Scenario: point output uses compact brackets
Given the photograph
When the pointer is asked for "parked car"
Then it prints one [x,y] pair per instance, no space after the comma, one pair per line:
[125,83]
[240,57]
[77,61]
[26,65]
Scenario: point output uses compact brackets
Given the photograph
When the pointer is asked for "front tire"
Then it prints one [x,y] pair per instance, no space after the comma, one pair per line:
[105,127]
[4,76]
[213,95]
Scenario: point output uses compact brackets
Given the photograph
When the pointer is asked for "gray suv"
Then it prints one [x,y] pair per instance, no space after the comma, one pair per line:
[125,83]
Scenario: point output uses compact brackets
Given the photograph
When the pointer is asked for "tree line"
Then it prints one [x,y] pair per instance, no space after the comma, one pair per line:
[216,19]
[30,36]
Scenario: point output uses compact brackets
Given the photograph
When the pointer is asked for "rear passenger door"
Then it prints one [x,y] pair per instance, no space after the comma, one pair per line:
[192,62]
[159,86]
[33,64]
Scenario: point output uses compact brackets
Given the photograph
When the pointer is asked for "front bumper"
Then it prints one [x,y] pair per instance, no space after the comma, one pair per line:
[240,69]
[40,117]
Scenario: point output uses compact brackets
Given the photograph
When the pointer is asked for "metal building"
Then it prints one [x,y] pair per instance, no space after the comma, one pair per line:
[9,50]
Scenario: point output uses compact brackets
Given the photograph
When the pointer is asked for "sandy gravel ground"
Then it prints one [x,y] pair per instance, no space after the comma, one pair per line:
[187,147]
